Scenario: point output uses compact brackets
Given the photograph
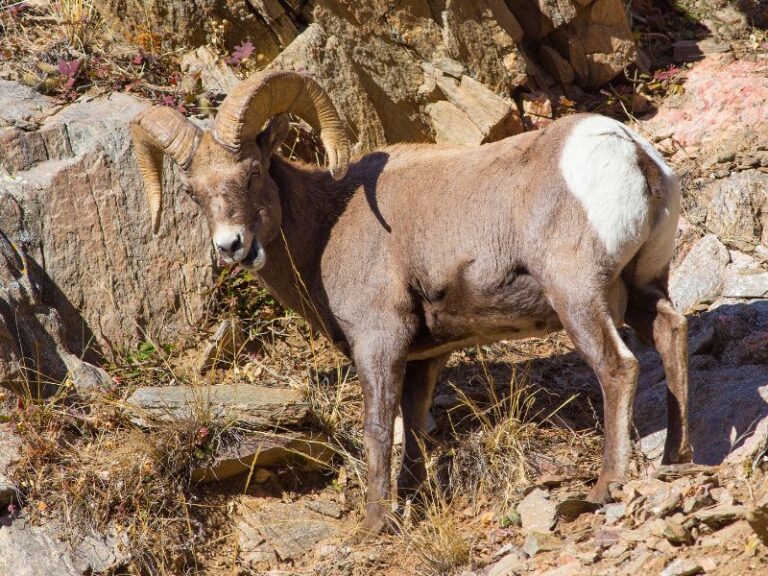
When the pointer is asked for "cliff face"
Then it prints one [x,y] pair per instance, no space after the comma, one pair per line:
[413,70]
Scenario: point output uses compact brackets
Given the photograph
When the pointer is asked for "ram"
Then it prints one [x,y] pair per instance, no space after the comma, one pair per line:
[408,253]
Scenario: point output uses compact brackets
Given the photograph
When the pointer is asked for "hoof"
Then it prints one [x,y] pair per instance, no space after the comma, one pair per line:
[369,530]
[601,492]
[677,458]
[672,471]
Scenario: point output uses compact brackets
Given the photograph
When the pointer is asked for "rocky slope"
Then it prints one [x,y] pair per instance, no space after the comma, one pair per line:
[78,258]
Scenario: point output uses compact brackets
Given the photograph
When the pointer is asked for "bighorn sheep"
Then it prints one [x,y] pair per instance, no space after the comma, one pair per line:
[413,251]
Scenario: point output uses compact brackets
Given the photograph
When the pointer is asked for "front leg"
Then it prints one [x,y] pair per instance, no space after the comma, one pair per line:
[380,364]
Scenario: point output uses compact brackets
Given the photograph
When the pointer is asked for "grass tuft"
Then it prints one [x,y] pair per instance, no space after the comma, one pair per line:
[495,437]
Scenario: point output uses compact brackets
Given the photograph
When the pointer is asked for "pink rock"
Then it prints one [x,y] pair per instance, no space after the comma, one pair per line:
[722,95]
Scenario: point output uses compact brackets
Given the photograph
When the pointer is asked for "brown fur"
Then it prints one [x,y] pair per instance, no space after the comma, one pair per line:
[421,250]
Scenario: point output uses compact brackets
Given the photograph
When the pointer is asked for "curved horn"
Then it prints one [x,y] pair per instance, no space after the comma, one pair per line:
[157,131]
[265,95]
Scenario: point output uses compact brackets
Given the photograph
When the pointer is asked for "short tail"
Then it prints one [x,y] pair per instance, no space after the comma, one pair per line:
[651,263]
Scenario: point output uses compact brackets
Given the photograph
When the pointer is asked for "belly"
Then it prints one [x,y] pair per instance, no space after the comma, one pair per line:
[446,337]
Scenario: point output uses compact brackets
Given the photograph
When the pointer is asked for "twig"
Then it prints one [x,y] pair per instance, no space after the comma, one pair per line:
[163,89]
[13,5]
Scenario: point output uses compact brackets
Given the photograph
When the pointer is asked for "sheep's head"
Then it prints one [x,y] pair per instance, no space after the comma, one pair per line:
[227,169]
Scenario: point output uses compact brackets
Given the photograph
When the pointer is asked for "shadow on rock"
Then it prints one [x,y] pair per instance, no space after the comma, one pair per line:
[728,368]
[34,357]
[728,383]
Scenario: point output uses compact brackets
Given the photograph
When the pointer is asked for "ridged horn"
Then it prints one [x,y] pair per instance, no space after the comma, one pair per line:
[264,95]
[158,131]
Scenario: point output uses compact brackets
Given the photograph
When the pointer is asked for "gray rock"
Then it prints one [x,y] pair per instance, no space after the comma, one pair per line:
[452,125]
[720,516]
[614,512]
[682,567]
[325,507]
[291,530]
[676,533]
[34,355]
[265,450]
[78,210]
[700,338]
[450,67]
[43,550]
[573,568]
[10,445]
[699,277]
[508,565]
[537,511]
[736,205]
[727,403]
[536,542]
[747,283]
[21,103]
[213,73]
[495,117]
[606,538]
[244,405]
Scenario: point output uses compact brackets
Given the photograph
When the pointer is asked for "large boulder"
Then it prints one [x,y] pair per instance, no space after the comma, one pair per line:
[10,445]
[700,120]
[72,200]
[700,276]
[728,385]
[395,72]
[178,23]
[738,207]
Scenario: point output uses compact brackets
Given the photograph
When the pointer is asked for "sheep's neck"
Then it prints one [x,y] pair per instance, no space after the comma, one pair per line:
[311,203]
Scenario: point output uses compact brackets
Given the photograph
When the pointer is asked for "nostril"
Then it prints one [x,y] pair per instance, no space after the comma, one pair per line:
[237,243]
[230,244]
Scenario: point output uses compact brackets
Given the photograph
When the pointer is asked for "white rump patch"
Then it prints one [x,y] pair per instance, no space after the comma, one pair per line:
[600,166]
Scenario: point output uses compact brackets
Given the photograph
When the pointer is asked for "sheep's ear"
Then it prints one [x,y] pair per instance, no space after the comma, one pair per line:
[273,135]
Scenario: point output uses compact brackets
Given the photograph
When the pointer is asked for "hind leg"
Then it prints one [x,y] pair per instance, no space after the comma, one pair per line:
[652,316]
[586,316]
[418,387]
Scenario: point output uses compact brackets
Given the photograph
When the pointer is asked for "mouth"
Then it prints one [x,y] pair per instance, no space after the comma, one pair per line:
[256,257]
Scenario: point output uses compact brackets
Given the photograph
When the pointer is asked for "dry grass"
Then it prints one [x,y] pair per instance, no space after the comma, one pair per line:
[495,437]
[483,464]
[90,467]
[77,18]
[439,539]
[430,526]
[84,462]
